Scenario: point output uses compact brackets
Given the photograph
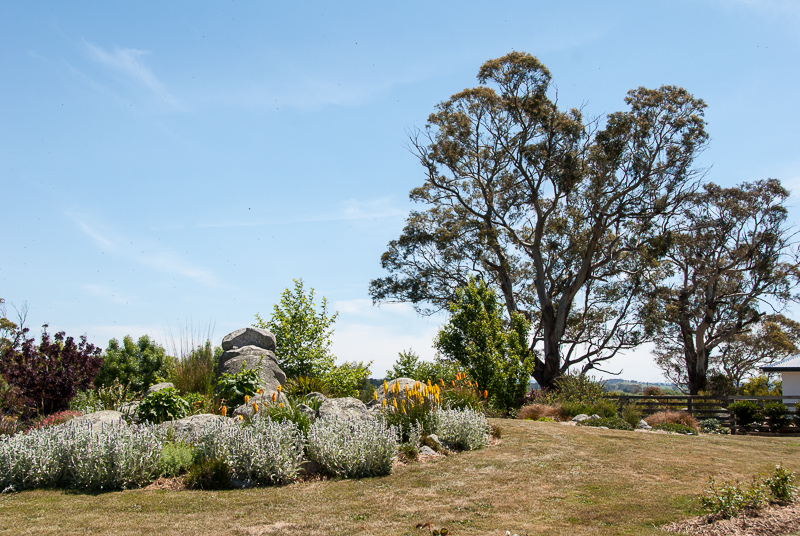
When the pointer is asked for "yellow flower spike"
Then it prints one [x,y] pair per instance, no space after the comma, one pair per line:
[403,409]
[255,407]
[241,418]
[485,393]
[383,402]
[224,411]
[279,389]
[375,395]
[394,403]
[385,387]
[246,399]
[274,397]
[259,391]
[280,405]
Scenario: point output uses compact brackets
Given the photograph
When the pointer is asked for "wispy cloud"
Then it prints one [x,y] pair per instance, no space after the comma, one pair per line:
[350,210]
[147,254]
[129,62]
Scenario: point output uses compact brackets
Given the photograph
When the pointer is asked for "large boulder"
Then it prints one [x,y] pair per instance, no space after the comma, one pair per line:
[402,384]
[249,337]
[344,408]
[159,387]
[253,357]
[97,419]
[194,424]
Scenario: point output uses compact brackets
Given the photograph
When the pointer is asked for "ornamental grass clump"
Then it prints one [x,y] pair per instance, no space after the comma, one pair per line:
[263,452]
[462,429]
[79,456]
[353,448]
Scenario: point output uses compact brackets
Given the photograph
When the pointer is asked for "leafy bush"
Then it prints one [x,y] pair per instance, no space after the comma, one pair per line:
[353,448]
[731,498]
[136,364]
[288,411]
[163,405]
[462,397]
[675,428]
[463,429]
[493,351]
[673,417]
[409,365]
[537,412]
[576,388]
[781,485]
[300,386]
[302,335]
[632,414]
[234,387]
[209,474]
[346,379]
[713,426]
[746,412]
[9,425]
[47,376]
[176,458]
[604,408]
[777,415]
[612,423]
[263,452]
[78,456]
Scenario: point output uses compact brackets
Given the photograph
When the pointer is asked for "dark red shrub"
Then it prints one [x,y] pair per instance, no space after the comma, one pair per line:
[47,376]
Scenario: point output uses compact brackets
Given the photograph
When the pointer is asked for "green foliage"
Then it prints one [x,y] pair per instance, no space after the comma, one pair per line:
[409,365]
[288,411]
[777,415]
[209,474]
[176,459]
[632,414]
[196,370]
[576,388]
[138,364]
[730,498]
[346,379]
[410,417]
[461,429]
[713,426]
[300,386]
[198,403]
[234,387]
[603,408]
[353,448]
[495,356]
[302,334]
[760,386]
[409,451]
[460,397]
[676,428]
[781,484]
[746,412]
[612,423]
[163,405]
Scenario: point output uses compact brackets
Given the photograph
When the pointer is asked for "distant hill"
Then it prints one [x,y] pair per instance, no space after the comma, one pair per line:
[634,387]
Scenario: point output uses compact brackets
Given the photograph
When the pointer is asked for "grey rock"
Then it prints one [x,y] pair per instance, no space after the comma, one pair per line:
[128,410]
[159,387]
[249,337]
[192,425]
[344,408]
[402,382]
[307,410]
[595,417]
[602,427]
[253,357]
[427,451]
[432,441]
[581,417]
[316,396]
[97,419]
[643,425]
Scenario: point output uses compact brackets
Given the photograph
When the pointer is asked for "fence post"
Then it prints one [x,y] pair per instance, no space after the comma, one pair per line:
[689,406]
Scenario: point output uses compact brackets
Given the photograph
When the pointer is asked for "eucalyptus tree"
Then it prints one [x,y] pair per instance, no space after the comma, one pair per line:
[561,215]
[731,258]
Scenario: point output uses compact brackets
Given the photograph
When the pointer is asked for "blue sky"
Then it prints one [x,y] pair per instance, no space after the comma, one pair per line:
[166,165]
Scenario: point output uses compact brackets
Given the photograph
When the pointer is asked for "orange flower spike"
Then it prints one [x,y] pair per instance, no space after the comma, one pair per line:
[255,407]
[279,389]
[452,383]
[442,381]
[241,418]
[246,399]
[280,405]
[259,391]
[274,396]
[485,393]
[224,411]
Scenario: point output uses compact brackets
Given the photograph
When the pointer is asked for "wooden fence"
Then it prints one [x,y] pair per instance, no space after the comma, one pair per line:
[705,407]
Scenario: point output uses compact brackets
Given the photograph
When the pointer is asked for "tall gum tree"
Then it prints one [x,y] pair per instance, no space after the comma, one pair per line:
[561,215]
[731,258]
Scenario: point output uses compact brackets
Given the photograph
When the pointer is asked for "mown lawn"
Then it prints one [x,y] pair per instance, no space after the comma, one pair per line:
[543,478]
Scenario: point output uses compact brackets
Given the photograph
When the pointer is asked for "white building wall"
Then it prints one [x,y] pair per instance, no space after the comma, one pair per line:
[791,385]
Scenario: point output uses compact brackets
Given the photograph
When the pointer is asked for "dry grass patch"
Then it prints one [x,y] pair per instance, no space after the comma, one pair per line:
[534,412]
[542,478]
[673,417]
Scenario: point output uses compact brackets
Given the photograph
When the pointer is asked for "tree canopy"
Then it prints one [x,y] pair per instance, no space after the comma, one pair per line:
[563,216]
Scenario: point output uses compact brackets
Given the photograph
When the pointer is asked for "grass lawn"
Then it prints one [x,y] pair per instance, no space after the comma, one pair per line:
[543,478]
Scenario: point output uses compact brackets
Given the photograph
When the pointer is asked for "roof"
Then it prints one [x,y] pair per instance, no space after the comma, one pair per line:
[790,364]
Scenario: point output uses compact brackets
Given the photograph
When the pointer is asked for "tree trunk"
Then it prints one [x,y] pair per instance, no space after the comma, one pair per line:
[548,371]
[697,369]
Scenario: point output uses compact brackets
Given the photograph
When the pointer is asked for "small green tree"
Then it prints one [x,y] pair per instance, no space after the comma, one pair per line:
[495,353]
[409,365]
[347,379]
[302,334]
[140,364]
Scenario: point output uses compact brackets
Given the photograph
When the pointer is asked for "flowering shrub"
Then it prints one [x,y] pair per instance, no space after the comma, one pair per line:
[54,419]
[353,448]
[80,456]
[263,452]
[463,429]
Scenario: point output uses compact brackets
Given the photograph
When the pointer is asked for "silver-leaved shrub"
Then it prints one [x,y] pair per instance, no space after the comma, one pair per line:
[353,447]
[263,452]
[462,429]
[79,456]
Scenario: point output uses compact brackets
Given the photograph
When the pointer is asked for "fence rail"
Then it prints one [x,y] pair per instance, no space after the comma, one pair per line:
[699,407]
